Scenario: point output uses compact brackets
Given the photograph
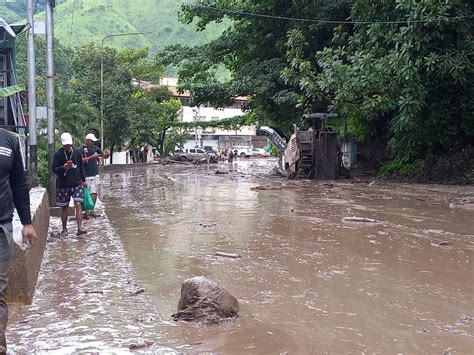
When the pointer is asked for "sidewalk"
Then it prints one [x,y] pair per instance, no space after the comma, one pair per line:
[85,299]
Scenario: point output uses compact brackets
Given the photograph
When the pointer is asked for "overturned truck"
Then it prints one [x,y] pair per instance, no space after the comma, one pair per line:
[311,154]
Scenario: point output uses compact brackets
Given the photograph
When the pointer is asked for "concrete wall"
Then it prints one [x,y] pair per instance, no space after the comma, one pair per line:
[26,264]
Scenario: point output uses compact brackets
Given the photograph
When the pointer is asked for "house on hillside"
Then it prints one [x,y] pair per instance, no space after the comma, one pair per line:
[214,137]
[11,112]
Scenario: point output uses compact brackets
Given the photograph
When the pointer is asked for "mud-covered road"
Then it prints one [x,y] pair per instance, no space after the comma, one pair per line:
[309,280]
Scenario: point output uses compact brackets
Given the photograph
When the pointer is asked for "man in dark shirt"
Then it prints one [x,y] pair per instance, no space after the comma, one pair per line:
[71,178]
[13,192]
[90,153]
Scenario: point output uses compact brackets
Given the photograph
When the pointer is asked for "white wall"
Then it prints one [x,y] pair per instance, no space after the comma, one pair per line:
[118,158]
[210,113]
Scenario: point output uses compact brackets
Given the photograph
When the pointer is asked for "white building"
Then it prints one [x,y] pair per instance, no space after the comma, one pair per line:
[214,137]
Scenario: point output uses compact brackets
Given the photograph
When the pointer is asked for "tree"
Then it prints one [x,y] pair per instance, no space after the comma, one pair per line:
[253,50]
[75,115]
[151,120]
[410,81]
[120,67]
[62,64]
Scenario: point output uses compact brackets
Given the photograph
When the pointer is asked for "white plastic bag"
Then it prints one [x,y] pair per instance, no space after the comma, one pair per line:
[18,238]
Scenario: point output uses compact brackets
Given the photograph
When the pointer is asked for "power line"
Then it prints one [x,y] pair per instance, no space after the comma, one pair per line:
[252,14]
[72,21]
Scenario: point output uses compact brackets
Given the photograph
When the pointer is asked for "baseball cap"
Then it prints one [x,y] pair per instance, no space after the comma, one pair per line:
[66,139]
[92,137]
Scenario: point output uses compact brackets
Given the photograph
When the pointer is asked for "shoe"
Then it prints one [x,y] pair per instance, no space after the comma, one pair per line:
[63,233]
[81,232]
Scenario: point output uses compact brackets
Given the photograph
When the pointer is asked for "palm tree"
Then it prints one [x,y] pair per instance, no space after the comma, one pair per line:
[75,115]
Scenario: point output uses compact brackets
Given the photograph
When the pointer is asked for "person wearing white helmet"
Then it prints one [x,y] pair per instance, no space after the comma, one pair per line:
[71,178]
[90,155]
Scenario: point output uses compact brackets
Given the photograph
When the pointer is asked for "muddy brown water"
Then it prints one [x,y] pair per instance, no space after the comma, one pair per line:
[308,281]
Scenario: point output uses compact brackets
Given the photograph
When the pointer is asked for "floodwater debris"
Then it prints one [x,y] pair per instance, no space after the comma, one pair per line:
[221,172]
[359,219]
[94,291]
[137,291]
[141,345]
[442,244]
[55,234]
[227,255]
[466,203]
[265,188]
[208,225]
[464,320]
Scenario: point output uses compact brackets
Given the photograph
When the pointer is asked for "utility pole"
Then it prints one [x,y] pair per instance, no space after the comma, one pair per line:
[50,98]
[32,96]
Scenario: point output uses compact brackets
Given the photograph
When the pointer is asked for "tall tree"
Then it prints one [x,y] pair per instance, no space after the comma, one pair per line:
[404,72]
[120,67]
[151,119]
[253,50]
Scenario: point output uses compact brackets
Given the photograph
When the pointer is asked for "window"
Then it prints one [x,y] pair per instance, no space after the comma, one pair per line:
[192,150]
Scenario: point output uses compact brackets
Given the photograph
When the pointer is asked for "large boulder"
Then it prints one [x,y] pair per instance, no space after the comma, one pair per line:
[203,300]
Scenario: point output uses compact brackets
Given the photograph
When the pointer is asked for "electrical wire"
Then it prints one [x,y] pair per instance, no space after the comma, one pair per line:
[252,14]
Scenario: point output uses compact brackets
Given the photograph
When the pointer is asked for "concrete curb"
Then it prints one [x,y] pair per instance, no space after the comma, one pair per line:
[26,264]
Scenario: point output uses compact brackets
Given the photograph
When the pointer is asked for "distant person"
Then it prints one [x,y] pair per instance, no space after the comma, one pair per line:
[71,178]
[13,192]
[230,156]
[90,154]
[137,158]
[145,154]
[131,155]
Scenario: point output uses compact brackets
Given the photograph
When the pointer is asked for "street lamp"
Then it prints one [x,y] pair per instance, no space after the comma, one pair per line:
[102,79]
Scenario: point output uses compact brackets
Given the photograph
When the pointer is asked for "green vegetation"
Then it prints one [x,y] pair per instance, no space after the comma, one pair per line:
[254,52]
[78,22]
[407,81]
[151,120]
[400,74]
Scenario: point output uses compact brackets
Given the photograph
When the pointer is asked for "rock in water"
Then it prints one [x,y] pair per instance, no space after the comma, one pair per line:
[203,300]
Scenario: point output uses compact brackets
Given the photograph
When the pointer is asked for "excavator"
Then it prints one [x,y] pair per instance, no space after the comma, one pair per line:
[311,154]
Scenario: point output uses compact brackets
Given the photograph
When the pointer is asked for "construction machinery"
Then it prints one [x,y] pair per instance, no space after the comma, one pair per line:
[311,154]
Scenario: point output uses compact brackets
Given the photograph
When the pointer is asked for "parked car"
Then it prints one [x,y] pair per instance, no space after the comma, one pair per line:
[260,152]
[210,149]
[242,150]
[192,154]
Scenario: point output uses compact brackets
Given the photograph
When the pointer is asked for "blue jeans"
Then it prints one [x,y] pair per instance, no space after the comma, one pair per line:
[6,254]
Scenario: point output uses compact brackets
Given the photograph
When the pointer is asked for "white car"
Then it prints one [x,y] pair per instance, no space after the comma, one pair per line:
[260,152]
[242,151]
[194,154]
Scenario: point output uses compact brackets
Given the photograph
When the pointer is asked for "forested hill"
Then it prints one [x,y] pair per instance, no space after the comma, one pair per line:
[82,21]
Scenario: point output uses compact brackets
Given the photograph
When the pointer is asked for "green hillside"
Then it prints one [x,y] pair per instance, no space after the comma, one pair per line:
[81,21]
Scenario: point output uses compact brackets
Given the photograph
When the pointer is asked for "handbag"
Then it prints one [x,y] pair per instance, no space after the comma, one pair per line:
[88,203]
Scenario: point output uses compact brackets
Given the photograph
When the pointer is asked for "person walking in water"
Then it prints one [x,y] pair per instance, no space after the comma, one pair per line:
[13,192]
[90,153]
[71,178]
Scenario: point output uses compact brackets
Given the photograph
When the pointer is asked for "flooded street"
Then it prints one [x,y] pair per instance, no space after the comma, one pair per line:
[308,281]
